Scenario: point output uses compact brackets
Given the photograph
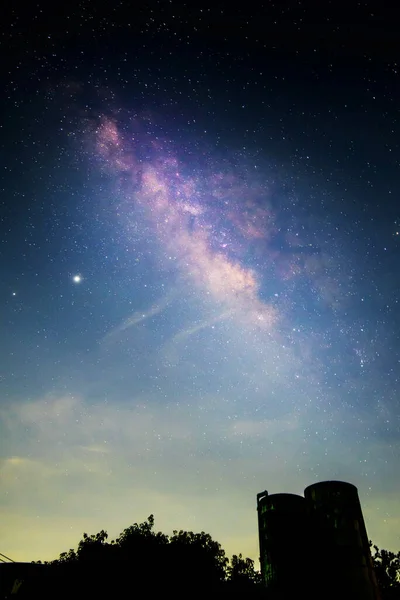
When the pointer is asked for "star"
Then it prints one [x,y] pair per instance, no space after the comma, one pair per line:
[77,278]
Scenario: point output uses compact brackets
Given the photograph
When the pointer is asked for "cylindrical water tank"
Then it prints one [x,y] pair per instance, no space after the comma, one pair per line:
[282,530]
[342,559]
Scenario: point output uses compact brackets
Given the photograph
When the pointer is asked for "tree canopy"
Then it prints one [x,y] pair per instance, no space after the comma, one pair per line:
[387,571]
[185,562]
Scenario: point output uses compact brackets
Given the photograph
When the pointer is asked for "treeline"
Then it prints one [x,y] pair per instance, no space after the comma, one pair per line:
[142,562]
[387,571]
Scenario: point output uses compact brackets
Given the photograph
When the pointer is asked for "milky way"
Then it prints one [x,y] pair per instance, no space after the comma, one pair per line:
[220,232]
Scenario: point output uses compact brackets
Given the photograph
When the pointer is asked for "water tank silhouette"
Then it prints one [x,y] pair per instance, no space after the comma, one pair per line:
[341,556]
[282,535]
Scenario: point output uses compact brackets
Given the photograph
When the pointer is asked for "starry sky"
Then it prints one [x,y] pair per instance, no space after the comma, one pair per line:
[199,249]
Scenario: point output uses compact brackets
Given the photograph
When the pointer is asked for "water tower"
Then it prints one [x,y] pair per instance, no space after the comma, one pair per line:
[315,546]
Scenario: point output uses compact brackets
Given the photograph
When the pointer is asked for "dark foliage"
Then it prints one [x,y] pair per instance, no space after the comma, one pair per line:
[141,560]
[387,571]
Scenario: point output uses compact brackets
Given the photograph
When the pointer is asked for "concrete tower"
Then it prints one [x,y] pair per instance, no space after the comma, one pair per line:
[315,546]
[342,555]
[282,520]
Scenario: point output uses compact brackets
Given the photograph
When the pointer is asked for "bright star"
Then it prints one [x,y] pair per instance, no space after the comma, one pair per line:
[77,279]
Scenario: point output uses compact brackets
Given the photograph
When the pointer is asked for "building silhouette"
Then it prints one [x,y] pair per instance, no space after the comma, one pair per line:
[316,545]
[16,578]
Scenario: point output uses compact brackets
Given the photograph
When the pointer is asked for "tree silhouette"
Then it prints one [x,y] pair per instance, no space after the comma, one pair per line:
[387,571]
[242,569]
[242,579]
[183,562]
[197,559]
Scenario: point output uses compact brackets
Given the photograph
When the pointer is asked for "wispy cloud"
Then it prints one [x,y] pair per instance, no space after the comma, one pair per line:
[138,317]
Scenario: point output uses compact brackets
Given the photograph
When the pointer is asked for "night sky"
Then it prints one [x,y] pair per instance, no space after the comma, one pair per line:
[199,257]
